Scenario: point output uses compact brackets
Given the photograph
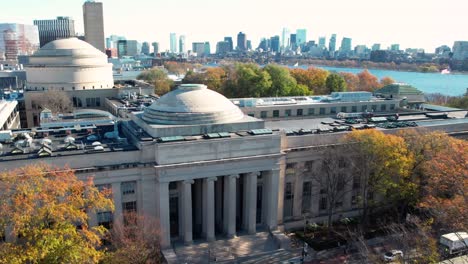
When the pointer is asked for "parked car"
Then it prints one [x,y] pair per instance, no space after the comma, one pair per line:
[393,255]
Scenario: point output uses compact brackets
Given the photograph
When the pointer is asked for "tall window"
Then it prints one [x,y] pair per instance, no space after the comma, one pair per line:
[128,187]
[323,203]
[343,109]
[354,109]
[299,112]
[306,196]
[308,166]
[322,110]
[287,112]
[263,114]
[288,199]
[364,108]
[311,111]
[333,110]
[105,219]
[129,207]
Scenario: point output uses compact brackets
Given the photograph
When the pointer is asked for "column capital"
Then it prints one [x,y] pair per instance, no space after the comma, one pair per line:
[235,176]
[211,179]
[188,182]
[254,173]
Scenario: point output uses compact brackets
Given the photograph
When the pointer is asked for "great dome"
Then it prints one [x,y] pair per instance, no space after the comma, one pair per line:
[192,104]
[68,64]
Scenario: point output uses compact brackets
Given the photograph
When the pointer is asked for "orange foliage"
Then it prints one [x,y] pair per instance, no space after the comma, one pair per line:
[352,81]
[367,81]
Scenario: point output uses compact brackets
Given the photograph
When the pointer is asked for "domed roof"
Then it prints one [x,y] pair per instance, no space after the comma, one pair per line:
[72,47]
[192,104]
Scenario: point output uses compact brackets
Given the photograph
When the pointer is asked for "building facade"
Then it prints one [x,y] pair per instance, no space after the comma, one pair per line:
[241,42]
[94,24]
[53,29]
[9,115]
[18,39]
[204,169]
[173,43]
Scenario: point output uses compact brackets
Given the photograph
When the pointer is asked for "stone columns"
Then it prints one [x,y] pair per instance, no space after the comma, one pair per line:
[186,211]
[117,196]
[230,191]
[271,180]
[209,217]
[250,198]
[162,189]
[297,203]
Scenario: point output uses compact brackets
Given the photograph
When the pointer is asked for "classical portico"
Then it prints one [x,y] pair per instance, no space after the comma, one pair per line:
[241,211]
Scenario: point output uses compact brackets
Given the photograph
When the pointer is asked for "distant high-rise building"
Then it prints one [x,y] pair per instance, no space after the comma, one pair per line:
[345,45]
[332,43]
[395,47]
[173,43]
[285,38]
[460,50]
[241,42]
[301,37]
[264,44]
[111,41]
[182,44]
[293,41]
[275,44]
[52,29]
[94,24]
[249,45]
[322,42]
[127,48]
[155,48]
[198,48]
[229,40]
[375,47]
[223,47]
[145,48]
[17,39]
[206,49]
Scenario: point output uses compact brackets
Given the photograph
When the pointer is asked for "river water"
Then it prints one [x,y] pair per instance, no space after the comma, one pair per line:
[448,84]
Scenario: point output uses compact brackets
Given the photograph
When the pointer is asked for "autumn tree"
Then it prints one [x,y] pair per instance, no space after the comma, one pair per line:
[313,78]
[178,68]
[367,81]
[386,81]
[334,179]
[158,77]
[351,80]
[56,101]
[213,77]
[335,83]
[44,216]
[135,241]
[383,163]
[445,193]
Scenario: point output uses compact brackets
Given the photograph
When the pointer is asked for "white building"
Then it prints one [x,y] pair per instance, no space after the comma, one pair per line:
[9,115]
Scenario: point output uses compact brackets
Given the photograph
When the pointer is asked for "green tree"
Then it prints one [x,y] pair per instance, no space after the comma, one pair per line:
[335,83]
[158,77]
[282,83]
[247,80]
[213,77]
[40,209]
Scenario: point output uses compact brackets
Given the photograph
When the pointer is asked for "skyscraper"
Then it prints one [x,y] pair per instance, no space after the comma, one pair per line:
[229,40]
[94,24]
[223,47]
[275,43]
[173,43]
[52,29]
[345,47]
[376,46]
[321,42]
[301,37]
[332,43]
[206,49]
[241,42]
[285,38]
[395,47]
[293,41]
[182,44]
[145,48]
[155,48]
[17,39]
[198,48]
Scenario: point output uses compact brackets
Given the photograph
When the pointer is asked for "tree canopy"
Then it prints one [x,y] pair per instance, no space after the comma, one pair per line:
[335,83]
[367,81]
[158,77]
[44,215]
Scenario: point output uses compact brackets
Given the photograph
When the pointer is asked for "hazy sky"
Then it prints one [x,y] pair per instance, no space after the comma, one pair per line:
[411,23]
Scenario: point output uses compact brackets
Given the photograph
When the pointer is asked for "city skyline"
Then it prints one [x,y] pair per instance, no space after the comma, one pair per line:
[417,26]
